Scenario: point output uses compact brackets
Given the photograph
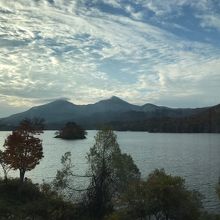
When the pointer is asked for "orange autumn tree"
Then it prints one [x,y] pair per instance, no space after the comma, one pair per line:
[23,150]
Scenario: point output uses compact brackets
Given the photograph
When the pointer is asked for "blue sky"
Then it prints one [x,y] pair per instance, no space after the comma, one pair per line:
[144,51]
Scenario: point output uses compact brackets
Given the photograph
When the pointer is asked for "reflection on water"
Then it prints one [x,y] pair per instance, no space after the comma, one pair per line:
[196,157]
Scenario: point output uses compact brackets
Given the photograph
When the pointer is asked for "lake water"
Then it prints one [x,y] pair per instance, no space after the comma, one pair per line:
[196,157]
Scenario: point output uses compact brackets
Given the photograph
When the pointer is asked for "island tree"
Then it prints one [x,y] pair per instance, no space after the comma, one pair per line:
[23,150]
[71,131]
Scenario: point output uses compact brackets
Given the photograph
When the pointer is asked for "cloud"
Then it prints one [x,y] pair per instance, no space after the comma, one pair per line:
[210,21]
[89,50]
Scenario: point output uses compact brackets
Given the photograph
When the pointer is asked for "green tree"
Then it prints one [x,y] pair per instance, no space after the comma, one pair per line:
[125,172]
[136,200]
[37,202]
[64,177]
[23,150]
[164,197]
[109,174]
[110,171]
[5,167]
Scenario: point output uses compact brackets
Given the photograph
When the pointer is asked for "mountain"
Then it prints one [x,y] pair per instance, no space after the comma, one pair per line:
[114,104]
[63,111]
[115,112]
[154,110]
[51,112]
[203,120]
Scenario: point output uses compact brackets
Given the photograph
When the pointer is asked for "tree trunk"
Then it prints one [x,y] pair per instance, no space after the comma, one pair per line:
[22,172]
[5,175]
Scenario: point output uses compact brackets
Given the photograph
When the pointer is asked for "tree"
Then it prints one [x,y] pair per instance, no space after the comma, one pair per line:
[38,202]
[218,189]
[64,177]
[136,200]
[164,197]
[110,171]
[71,131]
[6,168]
[23,150]
[126,172]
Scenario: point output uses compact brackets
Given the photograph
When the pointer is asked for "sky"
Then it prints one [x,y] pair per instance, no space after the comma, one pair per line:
[165,52]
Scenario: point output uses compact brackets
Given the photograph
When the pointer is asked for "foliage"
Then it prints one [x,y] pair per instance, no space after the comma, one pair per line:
[110,170]
[125,171]
[204,121]
[209,216]
[63,180]
[115,192]
[136,200]
[163,197]
[6,168]
[23,150]
[33,201]
[71,131]
[120,214]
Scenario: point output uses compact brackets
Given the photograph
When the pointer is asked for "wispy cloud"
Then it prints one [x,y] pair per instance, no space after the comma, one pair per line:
[89,50]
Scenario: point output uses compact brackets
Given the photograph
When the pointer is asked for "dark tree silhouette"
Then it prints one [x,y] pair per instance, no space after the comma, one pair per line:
[163,197]
[110,172]
[6,168]
[71,131]
[218,189]
[23,150]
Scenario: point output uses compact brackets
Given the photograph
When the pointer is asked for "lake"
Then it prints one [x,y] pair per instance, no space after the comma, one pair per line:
[196,157]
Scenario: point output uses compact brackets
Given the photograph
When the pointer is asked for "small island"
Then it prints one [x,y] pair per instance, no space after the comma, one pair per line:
[71,131]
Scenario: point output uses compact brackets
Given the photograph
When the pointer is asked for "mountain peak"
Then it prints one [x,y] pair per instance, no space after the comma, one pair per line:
[115,98]
[58,103]
[113,104]
[61,101]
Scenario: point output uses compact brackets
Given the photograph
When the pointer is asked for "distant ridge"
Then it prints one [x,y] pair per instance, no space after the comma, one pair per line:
[121,115]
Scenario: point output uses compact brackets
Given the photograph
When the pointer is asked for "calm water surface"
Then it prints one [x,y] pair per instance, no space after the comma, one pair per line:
[196,157]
